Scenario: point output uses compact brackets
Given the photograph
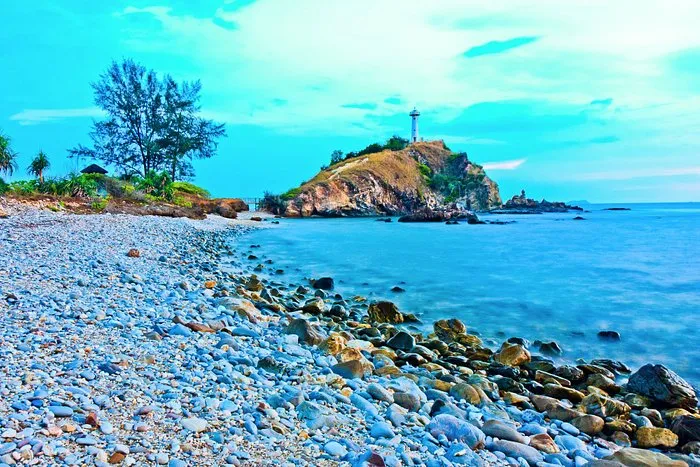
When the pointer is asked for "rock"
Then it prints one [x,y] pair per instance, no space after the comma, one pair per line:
[663,385]
[543,442]
[307,333]
[448,330]
[380,393]
[633,457]
[656,438]
[502,430]
[334,344]
[602,406]
[687,428]
[349,370]
[589,424]
[609,335]
[381,430]
[315,306]
[402,341]
[467,392]
[133,253]
[516,450]
[324,283]
[385,312]
[61,411]
[194,424]
[455,429]
[3,214]
[550,348]
[512,355]
[335,449]
[408,401]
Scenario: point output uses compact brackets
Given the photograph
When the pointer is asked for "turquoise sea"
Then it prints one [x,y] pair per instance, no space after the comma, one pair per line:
[545,277]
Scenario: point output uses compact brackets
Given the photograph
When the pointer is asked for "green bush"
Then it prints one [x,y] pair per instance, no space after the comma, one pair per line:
[157,185]
[4,187]
[100,204]
[23,187]
[179,200]
[426,171]
[291,194]
[191,189]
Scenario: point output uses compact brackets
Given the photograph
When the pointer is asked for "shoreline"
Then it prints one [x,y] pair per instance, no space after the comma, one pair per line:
[206,360]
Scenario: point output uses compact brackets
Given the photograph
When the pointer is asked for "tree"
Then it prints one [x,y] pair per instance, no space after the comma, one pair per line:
[371,149]
[184,135]
[336,156]
[7,156]
[396,143]
[38,165]
[152,124]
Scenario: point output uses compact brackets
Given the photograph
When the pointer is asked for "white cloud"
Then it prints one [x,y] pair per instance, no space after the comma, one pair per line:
[504,165]
[320,54]
[38,116]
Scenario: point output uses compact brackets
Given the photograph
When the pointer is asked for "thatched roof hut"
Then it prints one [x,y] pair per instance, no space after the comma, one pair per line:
[93,169]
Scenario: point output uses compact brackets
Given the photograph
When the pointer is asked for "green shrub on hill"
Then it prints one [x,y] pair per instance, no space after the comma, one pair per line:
[190,189]
[291,194]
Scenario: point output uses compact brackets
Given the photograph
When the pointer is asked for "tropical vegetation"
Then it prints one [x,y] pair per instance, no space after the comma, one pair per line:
[38,166]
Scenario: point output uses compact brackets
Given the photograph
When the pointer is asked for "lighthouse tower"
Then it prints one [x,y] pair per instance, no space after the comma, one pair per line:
[414,125]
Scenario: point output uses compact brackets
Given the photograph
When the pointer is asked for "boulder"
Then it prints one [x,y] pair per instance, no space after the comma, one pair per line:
[324,283]
[656,438]
[455,429]
[589,424]
[687,428]
[447,330]
[516,450]
[385,312]
[603,406]
[349,370]
[663,385]
[307,333]
[502,430]
[543,442]
[633,457]
[512,355]
[402,341]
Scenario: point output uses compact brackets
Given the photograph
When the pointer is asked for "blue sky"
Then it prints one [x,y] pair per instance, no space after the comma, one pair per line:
[590,99]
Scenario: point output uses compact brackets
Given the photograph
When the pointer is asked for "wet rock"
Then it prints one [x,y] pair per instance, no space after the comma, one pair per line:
[687,428]
[324,283]
[314,306]
[549,348]
[656,438]
[512,355]
[307,333]
[609,335]
[589,424]
[385,312]
[663,385]
[448,330]
[133,253]
[602,406]
[402,341]
[633,457]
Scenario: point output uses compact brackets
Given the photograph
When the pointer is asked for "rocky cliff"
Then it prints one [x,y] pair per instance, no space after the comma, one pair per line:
[424,175]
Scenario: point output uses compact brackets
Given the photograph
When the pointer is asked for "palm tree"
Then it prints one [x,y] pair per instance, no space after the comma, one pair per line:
[7,157]
[38,165]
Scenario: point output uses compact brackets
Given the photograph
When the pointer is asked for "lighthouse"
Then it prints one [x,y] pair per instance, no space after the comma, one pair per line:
[414,125]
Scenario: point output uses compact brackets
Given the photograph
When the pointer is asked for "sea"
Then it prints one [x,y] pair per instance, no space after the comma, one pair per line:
[539,277]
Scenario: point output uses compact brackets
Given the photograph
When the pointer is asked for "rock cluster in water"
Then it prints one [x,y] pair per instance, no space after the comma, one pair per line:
[180,355]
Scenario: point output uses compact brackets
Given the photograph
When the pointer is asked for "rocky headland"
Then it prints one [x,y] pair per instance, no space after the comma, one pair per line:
[154,341]
[521,204]
[395,183]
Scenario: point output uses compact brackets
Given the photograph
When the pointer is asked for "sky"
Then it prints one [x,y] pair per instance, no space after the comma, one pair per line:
[578,100]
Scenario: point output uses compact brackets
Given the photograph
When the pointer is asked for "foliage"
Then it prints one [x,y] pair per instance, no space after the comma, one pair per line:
[273,204]
[396,143]
[156,185]
[371,149]
[23,187]
[152,124]
[291,194]
[190,189]
[7,156]
[336,156]
[39,164]
[179,200]
[100,204]
[454,182]
[4,187]
[426,171]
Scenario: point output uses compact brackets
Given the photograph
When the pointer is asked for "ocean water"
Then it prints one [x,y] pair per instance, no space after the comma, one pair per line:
[544,277]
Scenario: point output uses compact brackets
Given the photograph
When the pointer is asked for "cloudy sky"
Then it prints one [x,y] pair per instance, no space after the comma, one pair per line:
[591,99]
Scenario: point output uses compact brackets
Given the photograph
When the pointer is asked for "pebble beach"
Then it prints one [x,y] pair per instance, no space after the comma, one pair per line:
[131,340]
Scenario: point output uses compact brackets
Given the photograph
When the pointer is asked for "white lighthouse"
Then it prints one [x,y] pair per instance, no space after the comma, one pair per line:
[414,125]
